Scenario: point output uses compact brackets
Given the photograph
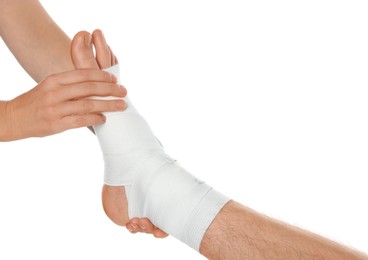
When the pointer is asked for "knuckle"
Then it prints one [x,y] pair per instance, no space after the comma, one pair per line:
[50,77]
[112,89]
[46,84]
[79,75]
[86,120]
[80,121]
[89,88]
[94,87]
[103,89]
[93,74]
[84,74]
[87,106]
[113,105]
[76,90]
[50,81]
[107,76]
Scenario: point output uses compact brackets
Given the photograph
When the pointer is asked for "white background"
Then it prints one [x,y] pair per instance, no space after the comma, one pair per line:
[264,100]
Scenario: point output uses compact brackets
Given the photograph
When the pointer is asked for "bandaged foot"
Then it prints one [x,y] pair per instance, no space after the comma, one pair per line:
[156,186]
[113,197]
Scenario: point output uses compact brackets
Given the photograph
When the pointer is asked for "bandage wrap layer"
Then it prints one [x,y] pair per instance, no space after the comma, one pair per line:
[157,187]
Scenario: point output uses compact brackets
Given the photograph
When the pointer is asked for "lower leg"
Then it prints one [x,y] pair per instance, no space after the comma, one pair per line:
[241,233]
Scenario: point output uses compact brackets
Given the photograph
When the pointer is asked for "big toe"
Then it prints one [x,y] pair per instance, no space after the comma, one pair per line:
[104,56]
[82,51]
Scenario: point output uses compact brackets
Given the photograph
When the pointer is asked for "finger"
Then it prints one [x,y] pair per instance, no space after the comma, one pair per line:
[81,75]
[82,51]
[158,233]
[103,55]
[77,121]
[89,106]
[88,89]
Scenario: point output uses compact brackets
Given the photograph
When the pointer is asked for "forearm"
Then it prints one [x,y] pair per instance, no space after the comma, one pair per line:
[4,133]
[240,233]
[37,42]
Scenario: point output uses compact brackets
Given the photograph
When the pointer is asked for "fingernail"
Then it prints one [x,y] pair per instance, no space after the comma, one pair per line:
[87,40]
[143,227]
[120,104]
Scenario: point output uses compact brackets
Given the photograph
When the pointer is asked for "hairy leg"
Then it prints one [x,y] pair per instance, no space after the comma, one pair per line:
[241,233]
[113,197]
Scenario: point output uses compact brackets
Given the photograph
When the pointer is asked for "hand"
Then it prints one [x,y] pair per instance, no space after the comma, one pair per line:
[59,103]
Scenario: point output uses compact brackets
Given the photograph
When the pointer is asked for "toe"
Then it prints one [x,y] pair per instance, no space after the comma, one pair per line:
[146,225]
[82,51]
[104,56]
[158,233]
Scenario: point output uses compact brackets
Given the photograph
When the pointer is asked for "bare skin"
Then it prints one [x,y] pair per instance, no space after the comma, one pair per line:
[241,233]
[237,232]
[113,198]
[58,102]
[43,50]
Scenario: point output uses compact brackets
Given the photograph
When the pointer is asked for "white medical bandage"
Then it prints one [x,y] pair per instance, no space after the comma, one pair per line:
[157,187]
